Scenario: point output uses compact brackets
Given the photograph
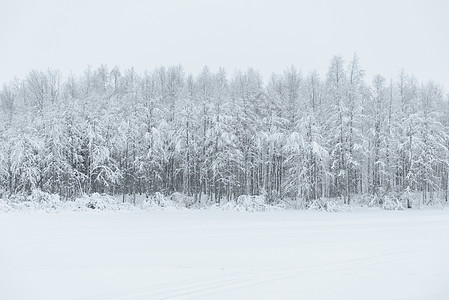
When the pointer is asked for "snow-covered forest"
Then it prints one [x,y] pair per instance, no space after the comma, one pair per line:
[218,135]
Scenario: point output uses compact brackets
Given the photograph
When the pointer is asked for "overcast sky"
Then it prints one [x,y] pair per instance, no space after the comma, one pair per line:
[234,34]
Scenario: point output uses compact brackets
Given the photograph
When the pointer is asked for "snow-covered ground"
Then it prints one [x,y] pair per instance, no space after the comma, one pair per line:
[368,253]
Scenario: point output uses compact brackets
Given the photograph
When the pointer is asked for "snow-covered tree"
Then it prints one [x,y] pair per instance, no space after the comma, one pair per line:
[215,137]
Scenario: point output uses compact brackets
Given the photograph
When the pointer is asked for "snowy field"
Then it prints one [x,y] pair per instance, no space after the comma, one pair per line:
[214,254]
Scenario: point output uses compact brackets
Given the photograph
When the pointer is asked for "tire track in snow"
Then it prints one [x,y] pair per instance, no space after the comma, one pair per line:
[210,285]
[170,286]
[304,271]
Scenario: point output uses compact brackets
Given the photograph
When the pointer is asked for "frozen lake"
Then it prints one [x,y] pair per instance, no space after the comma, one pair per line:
[212,254]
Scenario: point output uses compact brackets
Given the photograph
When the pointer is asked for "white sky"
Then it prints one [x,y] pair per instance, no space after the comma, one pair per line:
[234,34]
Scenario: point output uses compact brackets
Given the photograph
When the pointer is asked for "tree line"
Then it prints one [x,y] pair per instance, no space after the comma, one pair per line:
[219,136]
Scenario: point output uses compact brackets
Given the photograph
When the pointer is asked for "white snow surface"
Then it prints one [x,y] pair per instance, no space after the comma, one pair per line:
[368,253]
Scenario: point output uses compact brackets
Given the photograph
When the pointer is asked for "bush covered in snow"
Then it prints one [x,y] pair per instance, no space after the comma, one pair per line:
[46,200]
[329,205]
[100,202]
[388,201]
[249,203]
[181,200]
[4,206]
[392,203]
[37,200]
[42,201]
[159,201]
[152,201]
